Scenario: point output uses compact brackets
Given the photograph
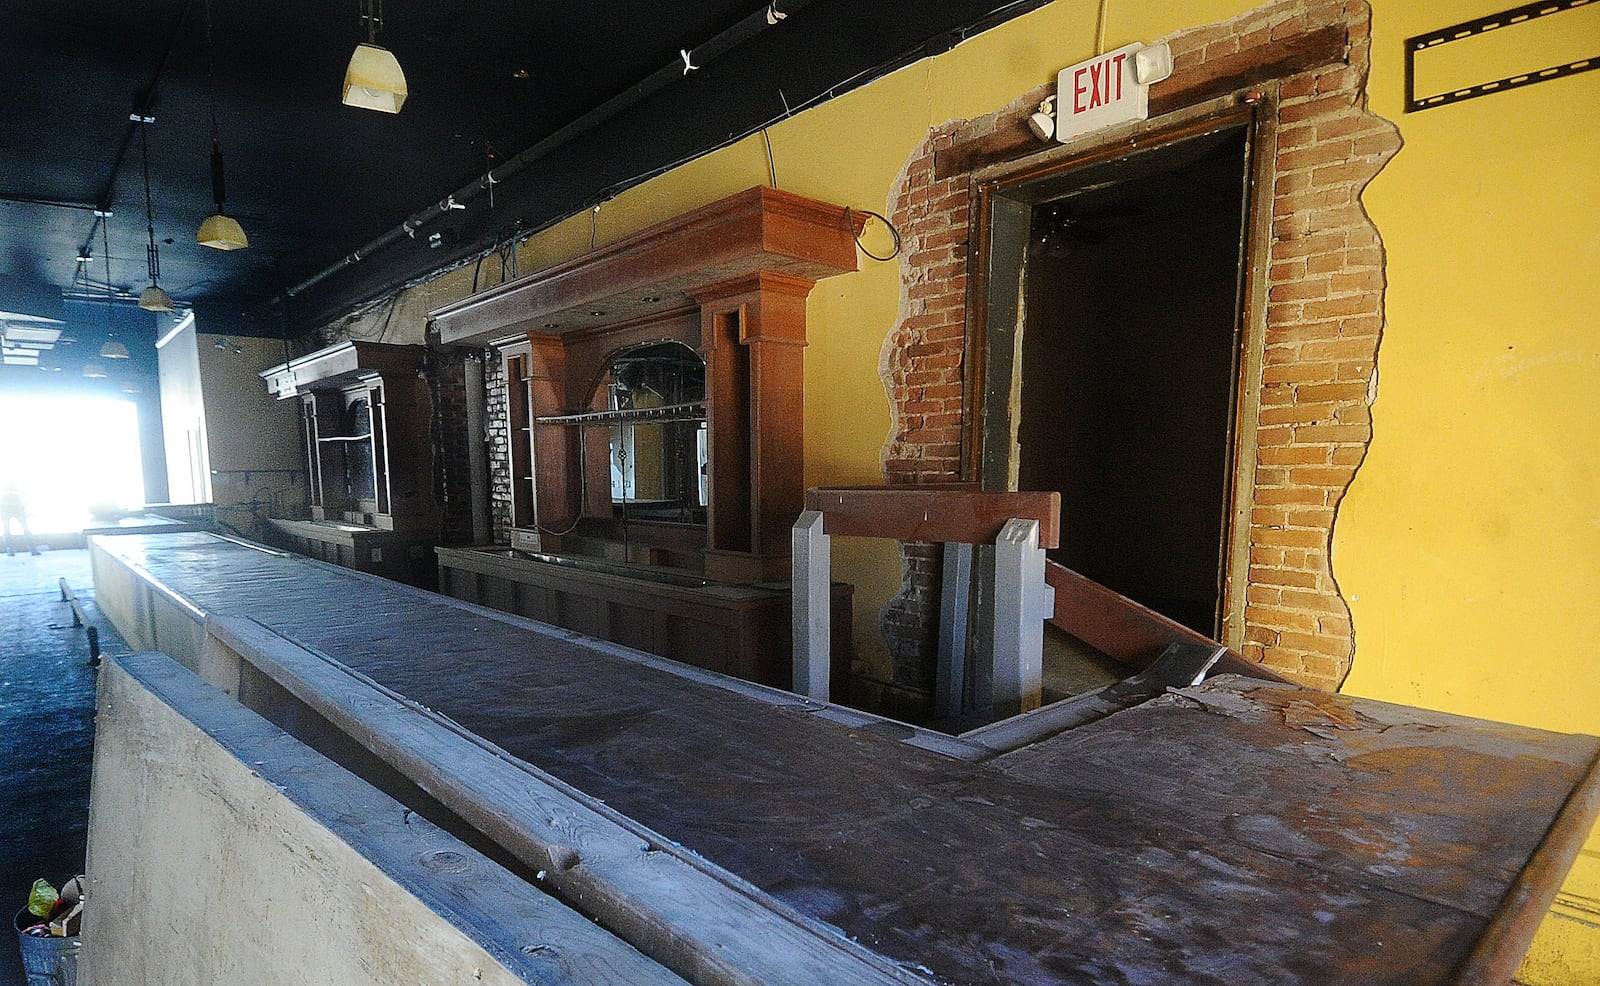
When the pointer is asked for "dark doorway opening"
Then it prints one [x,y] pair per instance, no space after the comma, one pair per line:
[1131,327]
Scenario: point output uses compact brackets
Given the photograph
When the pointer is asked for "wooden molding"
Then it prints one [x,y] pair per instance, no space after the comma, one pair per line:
[758,230]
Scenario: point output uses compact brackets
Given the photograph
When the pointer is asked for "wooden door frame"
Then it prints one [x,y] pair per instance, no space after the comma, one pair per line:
[1256,112]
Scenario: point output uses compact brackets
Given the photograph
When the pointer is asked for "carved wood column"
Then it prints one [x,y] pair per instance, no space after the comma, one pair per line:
[753,332]
[555,456]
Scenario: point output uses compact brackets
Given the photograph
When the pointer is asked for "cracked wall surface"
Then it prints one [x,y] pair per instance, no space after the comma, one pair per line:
[1323,321]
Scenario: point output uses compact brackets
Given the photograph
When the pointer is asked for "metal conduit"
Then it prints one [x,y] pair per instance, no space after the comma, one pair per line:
[706,52]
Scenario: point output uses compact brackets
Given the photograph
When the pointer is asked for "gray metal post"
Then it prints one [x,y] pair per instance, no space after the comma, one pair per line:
[1022,602]
[812,574]
[954,605]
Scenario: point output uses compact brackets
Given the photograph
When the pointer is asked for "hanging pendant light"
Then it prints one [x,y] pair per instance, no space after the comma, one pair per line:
[155,299]
[374,80]
[94,371]
[113,350]
[221,231]
[152,298]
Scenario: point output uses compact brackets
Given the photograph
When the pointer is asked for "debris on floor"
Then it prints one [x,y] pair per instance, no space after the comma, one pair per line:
[59,914]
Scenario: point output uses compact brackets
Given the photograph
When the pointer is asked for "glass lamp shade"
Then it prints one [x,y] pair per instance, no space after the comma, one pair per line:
[113,350]
[94,371]
[154,299]
[374,80]
[222,233]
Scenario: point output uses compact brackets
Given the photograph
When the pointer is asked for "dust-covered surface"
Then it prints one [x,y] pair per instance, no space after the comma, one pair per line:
[1235,832]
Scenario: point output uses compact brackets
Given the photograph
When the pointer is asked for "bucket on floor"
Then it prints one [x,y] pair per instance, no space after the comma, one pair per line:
[47,961]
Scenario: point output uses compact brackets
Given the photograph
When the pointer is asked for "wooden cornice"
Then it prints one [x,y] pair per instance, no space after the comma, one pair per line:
[759,230]
[340,364]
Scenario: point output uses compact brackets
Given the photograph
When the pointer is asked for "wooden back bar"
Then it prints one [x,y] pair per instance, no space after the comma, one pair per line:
[955,512]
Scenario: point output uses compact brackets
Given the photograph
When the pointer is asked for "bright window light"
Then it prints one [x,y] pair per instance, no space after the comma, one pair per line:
[71,457]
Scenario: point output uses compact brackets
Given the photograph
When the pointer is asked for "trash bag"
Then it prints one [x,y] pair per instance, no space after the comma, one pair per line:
[42,899]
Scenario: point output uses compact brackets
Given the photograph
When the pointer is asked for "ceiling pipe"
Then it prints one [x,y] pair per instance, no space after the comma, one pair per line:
[704,53]
[52,203]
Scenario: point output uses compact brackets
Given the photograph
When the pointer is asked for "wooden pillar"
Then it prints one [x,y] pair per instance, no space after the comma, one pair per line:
[753,335]
[554,455]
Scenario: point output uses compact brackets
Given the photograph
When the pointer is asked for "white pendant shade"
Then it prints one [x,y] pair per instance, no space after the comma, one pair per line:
[94,371]
[374,80]
[222,233]
[154,299]
[113,350]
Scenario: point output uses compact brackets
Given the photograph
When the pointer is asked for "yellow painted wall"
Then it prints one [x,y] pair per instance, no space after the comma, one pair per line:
[1469,546]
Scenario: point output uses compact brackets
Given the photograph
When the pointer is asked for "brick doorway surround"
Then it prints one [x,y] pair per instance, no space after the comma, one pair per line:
[1319,315]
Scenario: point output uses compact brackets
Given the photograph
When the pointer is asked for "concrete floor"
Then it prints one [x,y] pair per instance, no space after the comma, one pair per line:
[46,727]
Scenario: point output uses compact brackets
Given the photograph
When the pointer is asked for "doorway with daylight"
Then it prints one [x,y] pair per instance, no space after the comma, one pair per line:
[1116,311]
[70,457]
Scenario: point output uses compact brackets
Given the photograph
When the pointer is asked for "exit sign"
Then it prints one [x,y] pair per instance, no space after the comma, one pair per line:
[1099,93]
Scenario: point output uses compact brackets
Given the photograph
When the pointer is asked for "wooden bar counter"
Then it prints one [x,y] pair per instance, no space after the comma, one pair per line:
[1235,832]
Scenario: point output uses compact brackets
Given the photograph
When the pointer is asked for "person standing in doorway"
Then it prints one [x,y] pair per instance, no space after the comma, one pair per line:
[13,508]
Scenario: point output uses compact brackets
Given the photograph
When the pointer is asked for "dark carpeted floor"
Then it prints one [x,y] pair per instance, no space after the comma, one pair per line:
[46,727]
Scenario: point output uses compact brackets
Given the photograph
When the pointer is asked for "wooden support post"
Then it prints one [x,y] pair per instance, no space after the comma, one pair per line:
[1022,602]
[812,567]
[954,607]
[754,330]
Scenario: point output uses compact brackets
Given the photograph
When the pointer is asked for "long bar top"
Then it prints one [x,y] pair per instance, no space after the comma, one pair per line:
[1235,832]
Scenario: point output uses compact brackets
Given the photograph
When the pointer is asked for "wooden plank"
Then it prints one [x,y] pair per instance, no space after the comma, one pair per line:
[1185,87]
[1426,779]
[1180,666]
[959,513]
[1253,66]
[1499,952]
[1127,631]
[702,922]
[531,934]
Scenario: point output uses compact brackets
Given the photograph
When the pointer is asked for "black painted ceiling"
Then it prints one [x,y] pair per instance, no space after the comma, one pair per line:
[312,180]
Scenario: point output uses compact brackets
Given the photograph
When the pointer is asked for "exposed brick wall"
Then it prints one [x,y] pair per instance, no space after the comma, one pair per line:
[494,392]
[1324,317]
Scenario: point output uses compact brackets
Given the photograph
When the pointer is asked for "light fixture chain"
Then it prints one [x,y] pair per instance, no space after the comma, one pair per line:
[372,14]
[152,254]
[105,248]
[211,74]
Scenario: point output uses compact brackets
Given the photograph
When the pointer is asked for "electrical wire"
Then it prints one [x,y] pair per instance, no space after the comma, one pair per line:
[772,170]
[1000,13]
[394,302]
[850,215]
